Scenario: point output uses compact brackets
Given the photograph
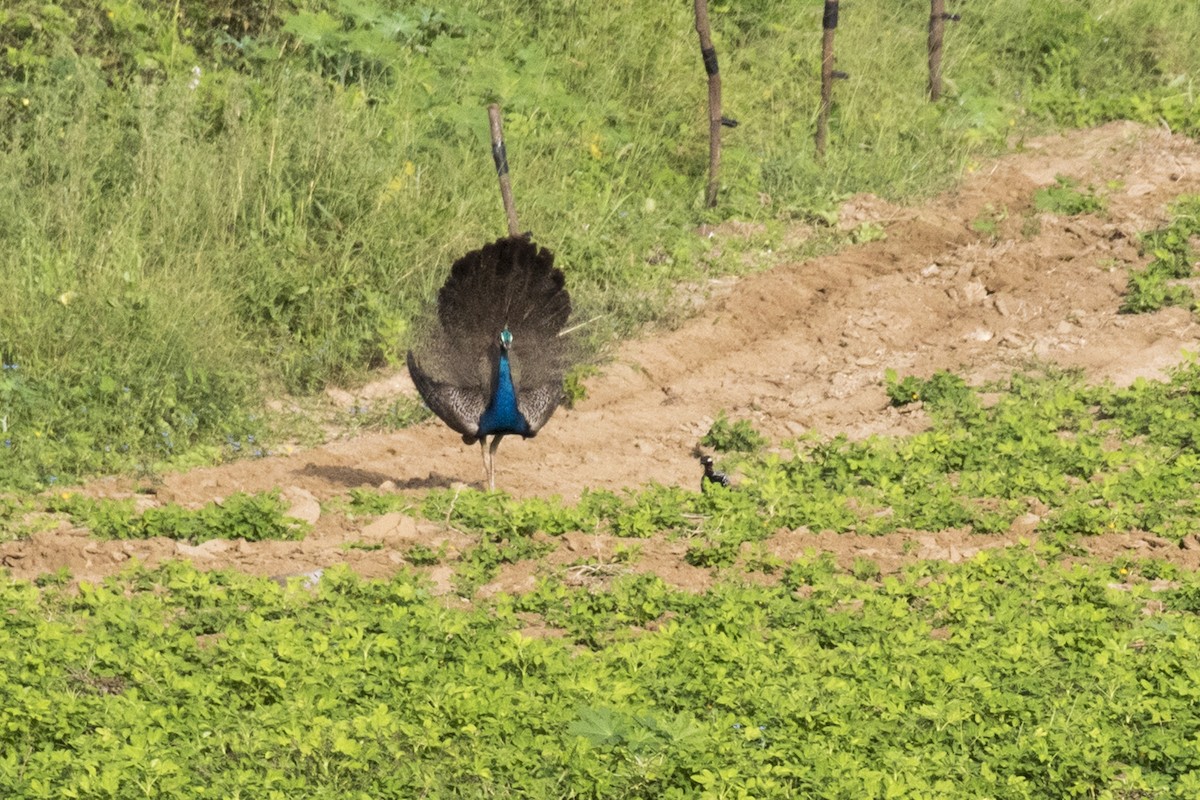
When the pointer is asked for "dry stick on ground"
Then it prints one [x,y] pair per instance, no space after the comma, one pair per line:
[714,100]
[829,22]
[501,159]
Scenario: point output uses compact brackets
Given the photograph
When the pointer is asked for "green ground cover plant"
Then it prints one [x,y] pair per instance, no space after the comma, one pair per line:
[1066,198]
[13,511]
[1172,259]
[1017,674]
[239,516]
[736,436]
[206,203]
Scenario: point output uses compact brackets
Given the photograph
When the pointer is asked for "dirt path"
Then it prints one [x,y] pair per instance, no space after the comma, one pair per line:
[802,347]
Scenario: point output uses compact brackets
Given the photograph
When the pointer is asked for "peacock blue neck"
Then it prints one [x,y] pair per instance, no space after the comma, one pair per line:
[502,415]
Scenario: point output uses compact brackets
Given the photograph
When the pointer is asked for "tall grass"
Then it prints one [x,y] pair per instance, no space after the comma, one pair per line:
[174,246]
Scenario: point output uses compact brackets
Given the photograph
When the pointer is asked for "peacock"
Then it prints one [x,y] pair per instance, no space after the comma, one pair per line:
[493,360]
[711,477]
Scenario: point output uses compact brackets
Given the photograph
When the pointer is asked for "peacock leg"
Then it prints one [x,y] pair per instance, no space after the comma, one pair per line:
[487,467]
[491,460]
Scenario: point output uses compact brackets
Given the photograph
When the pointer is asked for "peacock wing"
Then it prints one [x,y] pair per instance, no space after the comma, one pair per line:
[457,406]
[538,403]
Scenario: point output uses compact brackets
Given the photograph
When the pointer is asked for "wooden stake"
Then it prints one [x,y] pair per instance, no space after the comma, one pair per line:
[501,159]
[714,100]
[937,26]
[829,22]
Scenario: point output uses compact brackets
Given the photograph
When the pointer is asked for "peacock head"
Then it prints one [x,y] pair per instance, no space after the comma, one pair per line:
[505,338]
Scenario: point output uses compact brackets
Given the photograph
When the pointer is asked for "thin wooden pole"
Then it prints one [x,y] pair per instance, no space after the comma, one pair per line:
[714,100]
[501,159]
[829,22]
[937,26]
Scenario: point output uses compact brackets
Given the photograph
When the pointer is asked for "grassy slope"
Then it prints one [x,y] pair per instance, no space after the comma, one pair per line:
[168,252]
